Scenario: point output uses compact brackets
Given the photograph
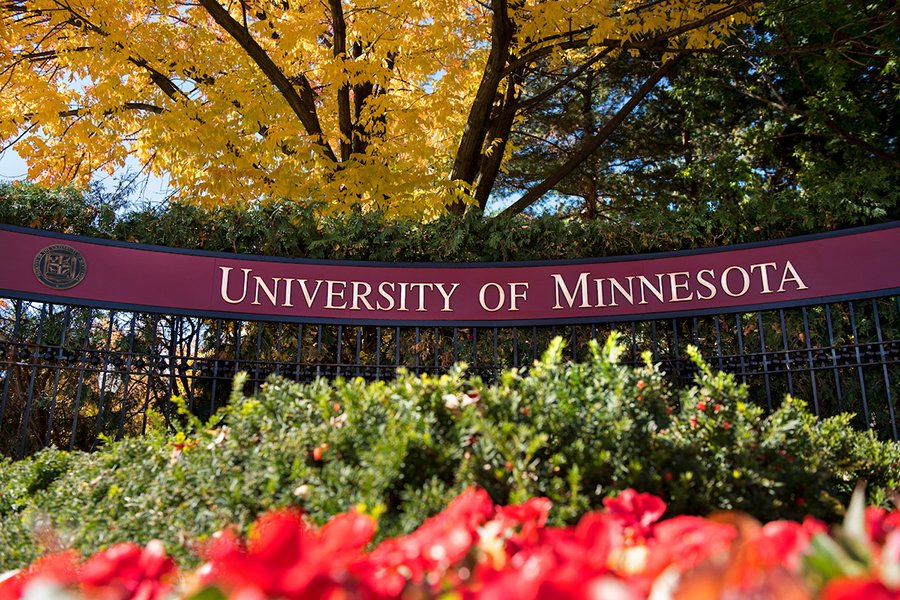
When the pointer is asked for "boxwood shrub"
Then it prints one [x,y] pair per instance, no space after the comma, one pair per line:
[401,449]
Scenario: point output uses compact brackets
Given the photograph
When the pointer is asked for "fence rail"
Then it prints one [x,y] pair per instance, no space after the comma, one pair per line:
[70,374]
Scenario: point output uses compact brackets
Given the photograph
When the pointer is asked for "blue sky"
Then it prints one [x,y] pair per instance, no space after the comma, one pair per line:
[149,189]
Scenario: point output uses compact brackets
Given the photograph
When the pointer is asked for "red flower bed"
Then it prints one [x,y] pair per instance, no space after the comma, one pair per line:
[475,549]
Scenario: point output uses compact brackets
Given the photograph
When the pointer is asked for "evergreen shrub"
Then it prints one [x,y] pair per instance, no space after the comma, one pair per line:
[400,450]
[292,229]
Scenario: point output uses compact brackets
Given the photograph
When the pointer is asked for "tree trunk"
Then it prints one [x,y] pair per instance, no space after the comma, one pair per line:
[469,154]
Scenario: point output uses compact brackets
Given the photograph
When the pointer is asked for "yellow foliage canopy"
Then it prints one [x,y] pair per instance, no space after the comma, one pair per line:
[397,104]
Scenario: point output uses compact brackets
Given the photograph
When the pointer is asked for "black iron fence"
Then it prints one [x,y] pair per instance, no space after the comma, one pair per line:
[71,375]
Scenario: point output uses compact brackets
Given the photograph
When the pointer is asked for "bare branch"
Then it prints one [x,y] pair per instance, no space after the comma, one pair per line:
[861,143]
[530,102]
[566,35]
[593,142]
[540,139]
[526,59]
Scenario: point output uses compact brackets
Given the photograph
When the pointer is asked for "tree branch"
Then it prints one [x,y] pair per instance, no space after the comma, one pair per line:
[497,137]
[142,106]
[361,93]
[652,42]
[339,44]
[466,164]
[861,143]
[302,102]
[565,35]
[528,103]
[158,79]
[593,142]
[526,59]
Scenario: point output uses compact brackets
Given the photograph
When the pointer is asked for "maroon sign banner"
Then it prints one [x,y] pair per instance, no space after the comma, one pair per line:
[76,270]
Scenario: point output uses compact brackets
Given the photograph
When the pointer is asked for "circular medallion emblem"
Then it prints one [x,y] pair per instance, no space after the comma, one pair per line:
[59,267]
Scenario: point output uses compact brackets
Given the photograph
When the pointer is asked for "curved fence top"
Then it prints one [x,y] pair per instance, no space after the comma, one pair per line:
[77,270]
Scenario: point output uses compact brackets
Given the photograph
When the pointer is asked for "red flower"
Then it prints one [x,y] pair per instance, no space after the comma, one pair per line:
[520,579]
[879,523]
[600,534]
[849,588]
[571,583]
[286,558]
[127,571]
[781,543]
[441,542]
[60,567]
[474,550]
[686,541]
[561,563]
[346,534]
[531,514]
[636,512]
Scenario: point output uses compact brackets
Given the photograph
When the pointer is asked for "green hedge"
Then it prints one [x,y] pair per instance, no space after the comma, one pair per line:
[402,449]
[291,229]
